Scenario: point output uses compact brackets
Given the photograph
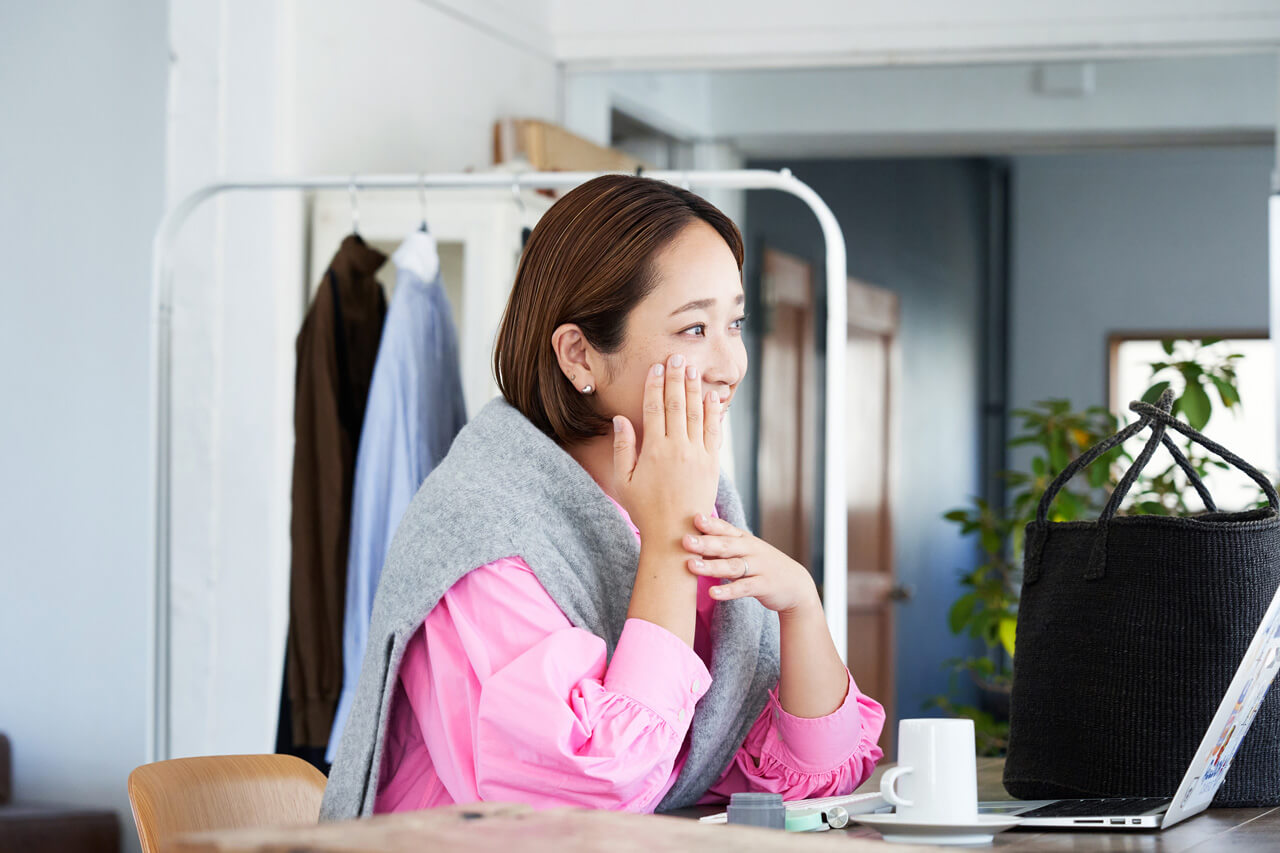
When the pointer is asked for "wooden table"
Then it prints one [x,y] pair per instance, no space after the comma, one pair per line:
[1215,829]
[512,828]
[520,829]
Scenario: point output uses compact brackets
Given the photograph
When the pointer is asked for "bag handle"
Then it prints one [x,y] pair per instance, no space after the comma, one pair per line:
[1149,414]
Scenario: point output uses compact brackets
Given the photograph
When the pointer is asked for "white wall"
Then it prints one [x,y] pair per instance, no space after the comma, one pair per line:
[82,95]
[253,88]
[289,87]
[679,103]
[1130,241]
[387,85]
[236,301]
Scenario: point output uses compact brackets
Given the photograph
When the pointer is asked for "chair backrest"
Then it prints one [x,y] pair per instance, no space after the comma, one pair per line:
[222,792]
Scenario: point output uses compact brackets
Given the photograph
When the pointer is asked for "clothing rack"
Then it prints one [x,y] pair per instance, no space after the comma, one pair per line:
[835,523]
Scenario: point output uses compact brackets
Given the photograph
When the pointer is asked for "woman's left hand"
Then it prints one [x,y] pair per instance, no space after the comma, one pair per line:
[757,569]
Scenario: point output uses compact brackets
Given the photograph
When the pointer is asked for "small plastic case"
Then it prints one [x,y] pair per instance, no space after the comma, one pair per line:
[751,808]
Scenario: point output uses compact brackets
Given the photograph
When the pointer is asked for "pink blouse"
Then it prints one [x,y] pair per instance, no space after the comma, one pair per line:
[500,698]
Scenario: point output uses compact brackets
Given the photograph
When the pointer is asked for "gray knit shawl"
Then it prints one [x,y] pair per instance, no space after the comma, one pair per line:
[504,489]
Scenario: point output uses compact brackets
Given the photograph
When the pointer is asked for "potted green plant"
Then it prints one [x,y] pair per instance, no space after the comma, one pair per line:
[988,608]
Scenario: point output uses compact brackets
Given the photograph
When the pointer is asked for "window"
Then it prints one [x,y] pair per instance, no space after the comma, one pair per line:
[1249,431]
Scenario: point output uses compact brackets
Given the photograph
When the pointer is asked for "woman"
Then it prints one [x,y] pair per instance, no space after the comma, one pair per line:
[572,611]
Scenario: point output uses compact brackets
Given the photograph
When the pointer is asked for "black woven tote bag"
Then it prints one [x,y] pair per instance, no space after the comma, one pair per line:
[1129,631]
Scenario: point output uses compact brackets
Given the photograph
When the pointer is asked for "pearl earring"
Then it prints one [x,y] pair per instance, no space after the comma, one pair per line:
[586,390]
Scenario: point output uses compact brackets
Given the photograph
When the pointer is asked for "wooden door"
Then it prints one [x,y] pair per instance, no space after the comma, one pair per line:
[787,486]
[785,454]
[871,444]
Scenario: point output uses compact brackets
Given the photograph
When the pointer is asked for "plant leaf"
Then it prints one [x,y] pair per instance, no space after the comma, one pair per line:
[1154,392]
[1196,405]
[961,611]
[1168,346]
[1227,391]
[1058,457]
[1069,507]
[1098,473]
[1008,632]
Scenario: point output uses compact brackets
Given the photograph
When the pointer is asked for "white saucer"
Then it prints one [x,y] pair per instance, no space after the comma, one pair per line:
[895,827]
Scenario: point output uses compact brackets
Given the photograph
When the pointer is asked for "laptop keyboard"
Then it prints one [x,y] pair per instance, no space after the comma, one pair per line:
[1108,807]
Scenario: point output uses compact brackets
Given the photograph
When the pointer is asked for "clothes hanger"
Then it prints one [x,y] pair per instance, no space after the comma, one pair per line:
[355,207]
[419,252]
[525,230]
[422,197]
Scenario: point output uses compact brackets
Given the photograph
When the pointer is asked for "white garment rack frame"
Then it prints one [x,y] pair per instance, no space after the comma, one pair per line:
[835,532]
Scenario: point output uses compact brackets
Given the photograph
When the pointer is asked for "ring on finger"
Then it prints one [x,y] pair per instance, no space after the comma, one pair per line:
[744,569]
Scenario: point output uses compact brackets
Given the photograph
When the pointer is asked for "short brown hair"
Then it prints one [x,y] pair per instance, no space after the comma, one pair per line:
[589,261]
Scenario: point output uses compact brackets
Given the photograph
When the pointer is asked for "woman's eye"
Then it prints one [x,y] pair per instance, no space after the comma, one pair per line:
[702,327]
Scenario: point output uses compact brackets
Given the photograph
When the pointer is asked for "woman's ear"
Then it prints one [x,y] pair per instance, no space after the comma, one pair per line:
[575,356]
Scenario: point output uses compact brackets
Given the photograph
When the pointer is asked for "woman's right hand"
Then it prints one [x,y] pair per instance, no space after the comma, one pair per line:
[677,470]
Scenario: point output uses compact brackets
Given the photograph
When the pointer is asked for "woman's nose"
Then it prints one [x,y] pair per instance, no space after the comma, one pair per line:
[724,366]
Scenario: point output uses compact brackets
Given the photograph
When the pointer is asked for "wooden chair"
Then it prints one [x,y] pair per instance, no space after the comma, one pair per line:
[222,792]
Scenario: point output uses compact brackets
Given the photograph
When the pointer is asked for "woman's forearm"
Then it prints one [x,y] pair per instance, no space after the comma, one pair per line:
[665,592]
[813,681]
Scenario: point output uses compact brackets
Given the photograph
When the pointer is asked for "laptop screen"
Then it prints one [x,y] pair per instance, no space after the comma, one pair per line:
[1231,722]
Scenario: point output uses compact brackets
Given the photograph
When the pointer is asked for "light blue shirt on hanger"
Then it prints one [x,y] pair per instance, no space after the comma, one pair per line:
[415,409]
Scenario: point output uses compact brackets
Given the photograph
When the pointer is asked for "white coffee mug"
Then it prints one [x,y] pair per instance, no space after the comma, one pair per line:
[937,773]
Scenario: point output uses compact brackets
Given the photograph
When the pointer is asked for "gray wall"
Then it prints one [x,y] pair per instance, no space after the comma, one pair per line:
[82,96]
[918,228]
[1172,239]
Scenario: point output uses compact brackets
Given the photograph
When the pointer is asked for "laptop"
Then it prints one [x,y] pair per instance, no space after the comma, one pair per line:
[1208,767]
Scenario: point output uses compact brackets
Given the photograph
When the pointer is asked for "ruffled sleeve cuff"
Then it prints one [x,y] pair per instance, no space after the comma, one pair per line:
[820,744]
[657,669]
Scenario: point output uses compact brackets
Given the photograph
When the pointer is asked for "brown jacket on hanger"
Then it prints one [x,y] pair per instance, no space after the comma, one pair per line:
[337,347]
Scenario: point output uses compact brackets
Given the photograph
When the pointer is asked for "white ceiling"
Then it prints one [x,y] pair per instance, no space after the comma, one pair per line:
[990,108]
[718,34]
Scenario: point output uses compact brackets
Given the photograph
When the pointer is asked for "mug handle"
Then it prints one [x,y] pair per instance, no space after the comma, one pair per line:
[886,787]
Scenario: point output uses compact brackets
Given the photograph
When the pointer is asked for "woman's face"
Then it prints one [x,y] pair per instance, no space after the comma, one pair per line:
[696,310]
